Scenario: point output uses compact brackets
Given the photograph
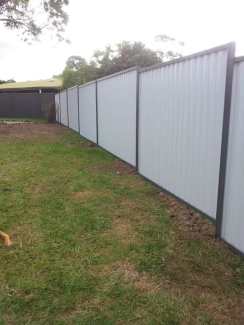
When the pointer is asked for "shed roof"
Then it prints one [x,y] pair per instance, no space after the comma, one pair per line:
[31,85]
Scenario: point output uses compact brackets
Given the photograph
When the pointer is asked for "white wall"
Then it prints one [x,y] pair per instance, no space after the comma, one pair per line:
[73,108]
[180,128]
[87,107]
[233,218]
[117,115]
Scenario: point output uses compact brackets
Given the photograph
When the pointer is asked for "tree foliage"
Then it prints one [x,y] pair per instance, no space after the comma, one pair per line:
[33,18]
[7,81]
[111,60]
[125,55]
[78,71]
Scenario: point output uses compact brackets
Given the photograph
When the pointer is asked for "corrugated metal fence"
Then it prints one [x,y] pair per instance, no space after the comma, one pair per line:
[233,215]
[116,96]
[180,149]
[64,119]
[73,108]
[88,111]
[171,122]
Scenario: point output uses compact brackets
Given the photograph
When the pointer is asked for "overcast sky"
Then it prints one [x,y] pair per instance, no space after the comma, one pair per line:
[94,23]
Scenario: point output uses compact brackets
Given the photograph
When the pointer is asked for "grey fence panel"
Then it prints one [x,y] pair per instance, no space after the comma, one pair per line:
[180,127]
[57,107]
[233,219]
[117,115]
[87,110]
[24,105]
[73,108]
[63,108]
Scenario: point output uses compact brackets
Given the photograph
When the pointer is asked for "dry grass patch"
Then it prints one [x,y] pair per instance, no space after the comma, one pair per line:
[87,195]
[127,272]
[124,231]
[30,131]
[83,196]
[25,235]
[114,166]
[141,281]
[37,190]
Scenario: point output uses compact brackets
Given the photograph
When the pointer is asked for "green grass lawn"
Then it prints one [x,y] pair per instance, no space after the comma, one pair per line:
[96,244]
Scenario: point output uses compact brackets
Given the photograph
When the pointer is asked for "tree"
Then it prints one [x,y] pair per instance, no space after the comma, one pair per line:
[129,54]
[77,71]
[169,42]
[7,81]
[75,62]
[110,60]
[32,20]
[104,60]
[125,55]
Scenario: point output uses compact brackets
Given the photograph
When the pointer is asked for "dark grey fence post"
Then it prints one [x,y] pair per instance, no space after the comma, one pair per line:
[225,137]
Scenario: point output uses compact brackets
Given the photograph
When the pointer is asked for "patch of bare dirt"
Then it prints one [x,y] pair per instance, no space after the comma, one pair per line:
[190,222]
[240,310]
[88,144]
[121,168]
[116,167]
[30,130]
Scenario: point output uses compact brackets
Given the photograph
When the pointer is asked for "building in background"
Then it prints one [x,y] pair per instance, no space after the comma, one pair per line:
[31,99]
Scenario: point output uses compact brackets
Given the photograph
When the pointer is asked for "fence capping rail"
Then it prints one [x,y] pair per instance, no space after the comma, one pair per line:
[189,57]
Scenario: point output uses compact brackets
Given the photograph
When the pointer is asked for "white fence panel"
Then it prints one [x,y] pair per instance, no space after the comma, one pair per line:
[63,108]
[233,217]
[73,108]
[57,108]
[117,115]
[87,108]
[180,127]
